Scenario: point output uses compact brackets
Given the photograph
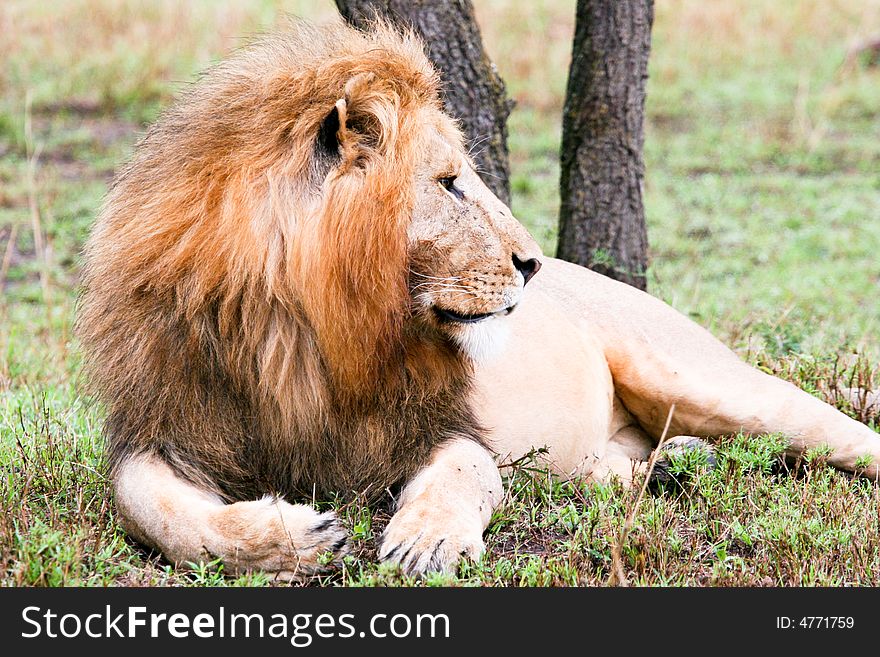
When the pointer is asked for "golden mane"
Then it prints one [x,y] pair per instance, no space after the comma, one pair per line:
[243,295]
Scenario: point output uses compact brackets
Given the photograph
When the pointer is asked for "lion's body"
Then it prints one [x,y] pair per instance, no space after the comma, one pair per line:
[606,362]
[300,287]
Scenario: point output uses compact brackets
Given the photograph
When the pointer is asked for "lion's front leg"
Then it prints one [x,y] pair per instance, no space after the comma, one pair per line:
[443,511]
[191,525]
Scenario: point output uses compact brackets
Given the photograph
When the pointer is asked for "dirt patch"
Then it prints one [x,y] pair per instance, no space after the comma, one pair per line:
[79,140]
[537,541]
[109,131]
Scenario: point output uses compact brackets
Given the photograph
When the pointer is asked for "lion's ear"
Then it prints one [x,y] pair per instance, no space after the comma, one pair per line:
[336,139]
[332,131]
[358,121]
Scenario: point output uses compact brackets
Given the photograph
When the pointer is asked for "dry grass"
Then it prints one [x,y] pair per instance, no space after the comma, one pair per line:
[102,54]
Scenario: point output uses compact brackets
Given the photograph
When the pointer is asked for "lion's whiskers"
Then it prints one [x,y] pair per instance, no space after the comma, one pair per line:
[443,287]
[436,278]
[425,295]
[437,284]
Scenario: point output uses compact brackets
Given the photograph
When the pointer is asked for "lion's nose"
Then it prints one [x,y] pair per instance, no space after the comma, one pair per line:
[527,268]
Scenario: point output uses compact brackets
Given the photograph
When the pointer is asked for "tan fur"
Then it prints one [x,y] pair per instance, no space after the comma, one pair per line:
[275,301]
[636,357]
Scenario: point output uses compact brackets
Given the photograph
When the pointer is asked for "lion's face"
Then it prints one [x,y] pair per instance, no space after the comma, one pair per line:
[469,258]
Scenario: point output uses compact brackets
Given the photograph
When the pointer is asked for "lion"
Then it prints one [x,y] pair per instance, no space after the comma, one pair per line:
[299,288]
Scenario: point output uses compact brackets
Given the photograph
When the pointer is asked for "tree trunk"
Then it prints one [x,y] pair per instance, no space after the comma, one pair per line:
[601,219]
[473,92]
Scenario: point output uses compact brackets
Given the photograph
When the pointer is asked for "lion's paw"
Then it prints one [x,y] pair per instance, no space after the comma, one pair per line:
[422,538]
[288,541]
[681,457]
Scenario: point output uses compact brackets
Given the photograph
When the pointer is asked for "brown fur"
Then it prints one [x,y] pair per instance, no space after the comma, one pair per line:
[246,311]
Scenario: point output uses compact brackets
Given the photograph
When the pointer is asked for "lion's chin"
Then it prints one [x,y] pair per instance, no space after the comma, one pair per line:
[481,340]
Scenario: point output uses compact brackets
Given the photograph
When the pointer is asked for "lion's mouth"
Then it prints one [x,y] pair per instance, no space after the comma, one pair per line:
[445,315]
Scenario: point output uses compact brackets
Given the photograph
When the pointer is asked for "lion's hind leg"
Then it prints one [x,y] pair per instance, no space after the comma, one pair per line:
[188,525]
[712,393]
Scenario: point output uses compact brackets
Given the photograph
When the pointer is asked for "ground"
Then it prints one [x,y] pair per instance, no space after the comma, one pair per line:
[762,196]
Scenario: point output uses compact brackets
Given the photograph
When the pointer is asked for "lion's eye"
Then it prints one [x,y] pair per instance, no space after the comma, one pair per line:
[448,183]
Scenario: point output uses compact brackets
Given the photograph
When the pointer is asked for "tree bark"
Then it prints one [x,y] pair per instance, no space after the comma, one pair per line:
[473,92]
[602,219]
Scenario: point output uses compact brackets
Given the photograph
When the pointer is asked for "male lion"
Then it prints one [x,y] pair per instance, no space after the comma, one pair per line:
[299,286]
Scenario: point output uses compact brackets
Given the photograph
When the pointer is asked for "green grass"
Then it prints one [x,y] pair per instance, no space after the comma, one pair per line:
[762,197]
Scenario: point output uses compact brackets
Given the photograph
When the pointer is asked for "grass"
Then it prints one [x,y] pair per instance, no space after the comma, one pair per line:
[762,197]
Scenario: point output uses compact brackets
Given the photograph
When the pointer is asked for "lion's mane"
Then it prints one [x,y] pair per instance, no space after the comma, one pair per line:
[245,309]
